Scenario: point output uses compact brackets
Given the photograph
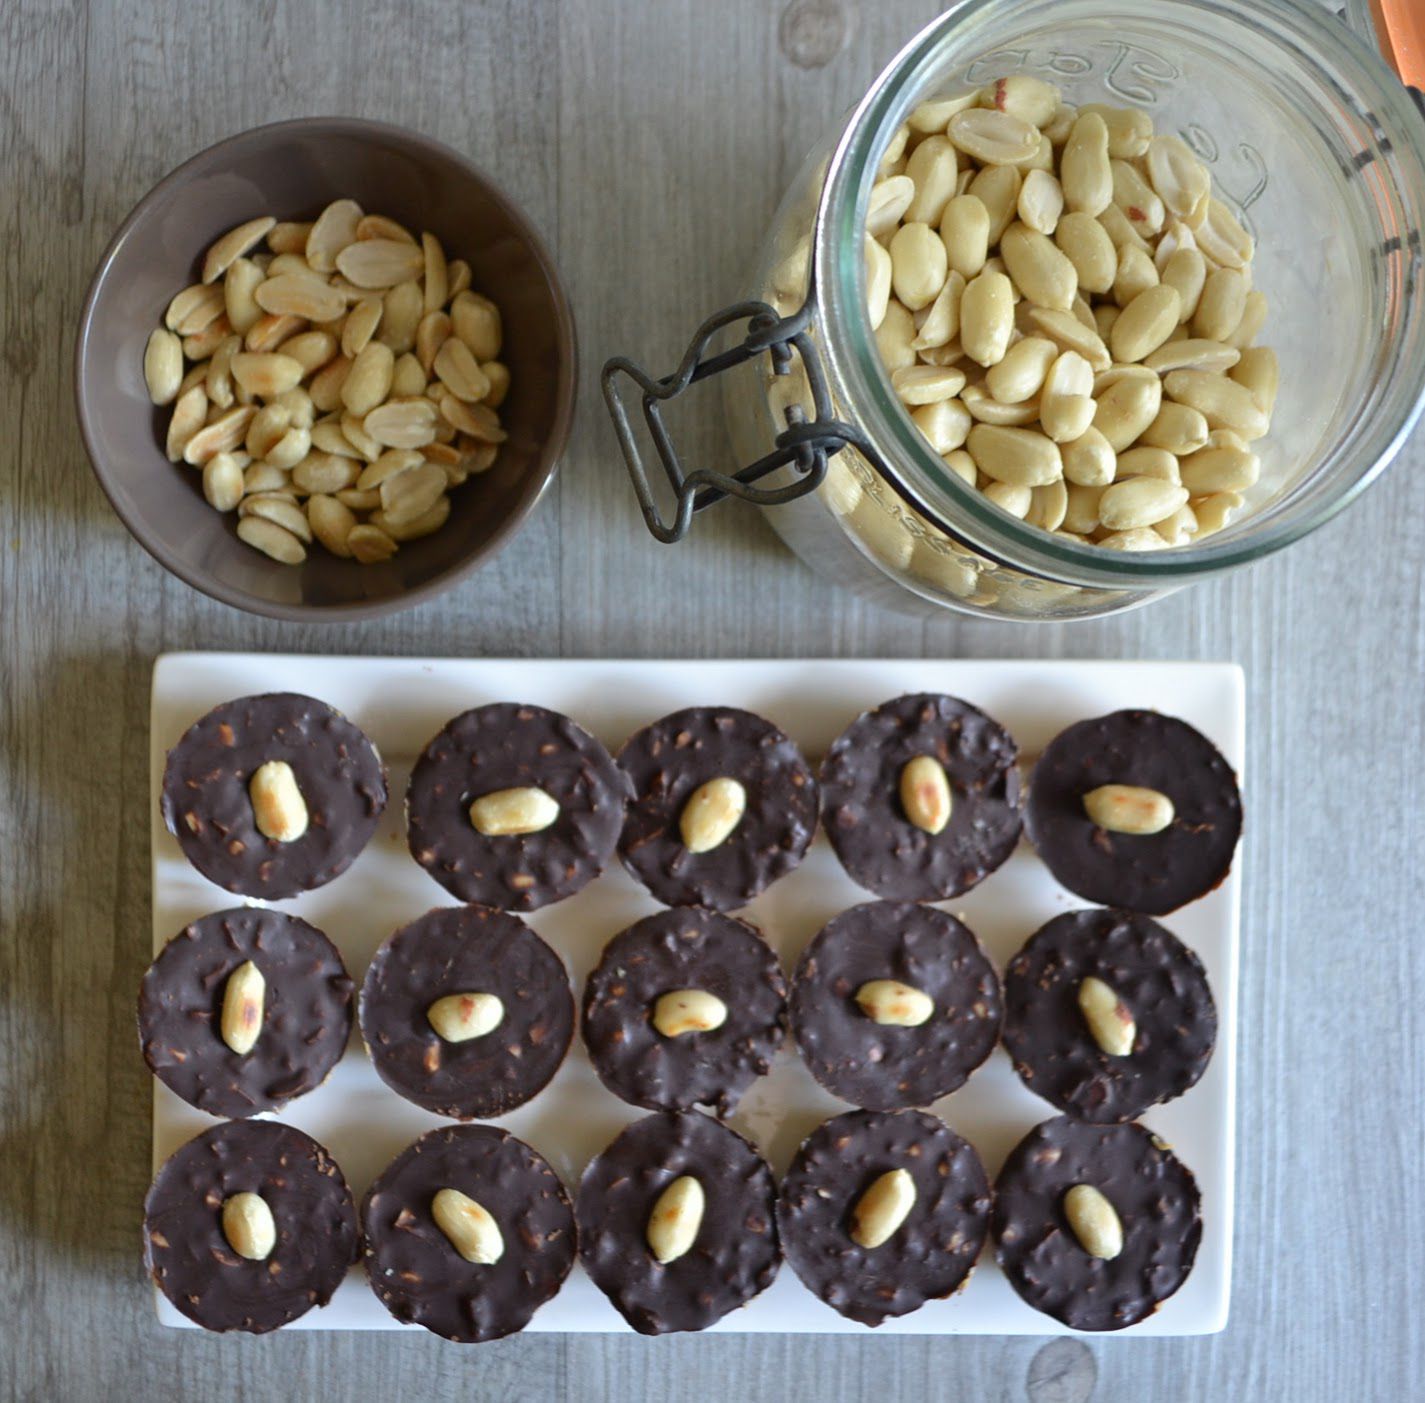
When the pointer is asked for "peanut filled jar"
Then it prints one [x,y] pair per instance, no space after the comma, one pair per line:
[1084,302]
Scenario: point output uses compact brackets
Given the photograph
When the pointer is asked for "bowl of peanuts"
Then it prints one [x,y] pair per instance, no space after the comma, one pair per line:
[1085,301]
[325,370]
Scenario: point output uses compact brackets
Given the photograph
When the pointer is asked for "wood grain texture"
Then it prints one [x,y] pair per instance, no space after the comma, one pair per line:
[651,143]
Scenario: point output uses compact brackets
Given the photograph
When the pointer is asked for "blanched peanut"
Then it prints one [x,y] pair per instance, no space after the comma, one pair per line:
[1084,170]
[1066,406]
[918,265]
[1177,428]
[1032,100]
[1130,129]
[933,168]
[927,384]
[945,424]
[1134,196]
[1086,244]
[1126,408]
[878,281]
[1219,310]
[1020,375]
[1136,274]
[1254,316]
[890,199]
[894,337]
[1040,269]
[939,324]
[997,188]
[1219,470]
[1081,507]
[1222,402]
[1186,270]
[1146,323]
[986,409]
[1148,462]
[1259,374]
[986,318]
[1068,333]
[1179,178]
[965,232]
[1041,201]
[1017,457]
[1011,497]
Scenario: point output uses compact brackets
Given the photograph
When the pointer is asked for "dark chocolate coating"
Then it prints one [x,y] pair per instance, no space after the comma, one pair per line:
[1153,1193]
[189,1256]
[511,746]
[930,1256]
[416,1273]
[672,758]
[880,1066]
[467,950]
[306,1011]
[735,1254]
[1159,980]
[206,806]
[1154,872]
[879,847]
[684,948]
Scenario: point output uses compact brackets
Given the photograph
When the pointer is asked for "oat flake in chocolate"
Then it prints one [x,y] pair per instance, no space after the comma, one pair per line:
[419,1276]
[1154,872]
[467,950]
[930,1256]
[188,1253]
[883,1066]
[510,746]
[684,948]
[205,793]
[1152,1191]
[1158,980]
[670,760]
[306,1019]
[734,1255]
[880,848]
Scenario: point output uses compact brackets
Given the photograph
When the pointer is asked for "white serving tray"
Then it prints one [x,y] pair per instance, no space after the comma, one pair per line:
[402,702]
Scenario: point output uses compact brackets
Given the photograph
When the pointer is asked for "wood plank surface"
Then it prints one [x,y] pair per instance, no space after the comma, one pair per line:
[651,142]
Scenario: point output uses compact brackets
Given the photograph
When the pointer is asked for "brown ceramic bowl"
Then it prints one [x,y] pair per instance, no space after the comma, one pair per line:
[291,170]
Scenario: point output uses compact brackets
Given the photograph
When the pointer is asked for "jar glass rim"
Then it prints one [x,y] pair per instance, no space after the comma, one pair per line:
[1302,28]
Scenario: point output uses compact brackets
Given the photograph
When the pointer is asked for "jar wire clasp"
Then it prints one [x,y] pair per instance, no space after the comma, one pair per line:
[807,445]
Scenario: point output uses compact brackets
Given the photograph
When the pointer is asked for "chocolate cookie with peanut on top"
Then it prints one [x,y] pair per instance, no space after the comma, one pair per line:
[920,797]
[273,795]
[514,806]
[724,804]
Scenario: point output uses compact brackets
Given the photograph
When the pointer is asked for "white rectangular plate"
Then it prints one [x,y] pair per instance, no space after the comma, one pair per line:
[401,703]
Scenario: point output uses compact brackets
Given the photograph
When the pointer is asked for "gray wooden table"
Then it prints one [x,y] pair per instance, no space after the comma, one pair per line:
[650,141]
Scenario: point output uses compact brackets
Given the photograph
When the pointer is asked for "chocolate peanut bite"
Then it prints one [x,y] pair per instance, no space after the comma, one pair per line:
[466,1012]
[248,1226]
[1135,809]
[685,1008]
[244,1010]
[677,1222]
[724,804]
[882,1211]
[514,806]
[1107,1013]
[920,797]
[467,1232]
[1095,1225]
[273,795]
[895,1004]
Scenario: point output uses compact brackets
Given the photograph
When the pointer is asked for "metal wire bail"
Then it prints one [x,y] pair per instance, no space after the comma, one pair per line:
[806,444]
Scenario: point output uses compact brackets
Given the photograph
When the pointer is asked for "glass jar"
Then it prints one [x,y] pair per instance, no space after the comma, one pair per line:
[1311,140]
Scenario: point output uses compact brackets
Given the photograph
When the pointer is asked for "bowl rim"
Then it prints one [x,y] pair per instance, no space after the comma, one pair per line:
[555,443]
